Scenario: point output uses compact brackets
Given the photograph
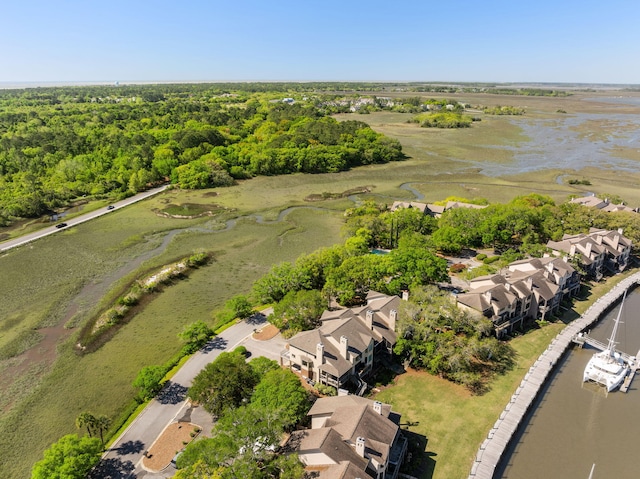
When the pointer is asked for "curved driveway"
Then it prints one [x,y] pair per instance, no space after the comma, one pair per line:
[49,230]
[124,459]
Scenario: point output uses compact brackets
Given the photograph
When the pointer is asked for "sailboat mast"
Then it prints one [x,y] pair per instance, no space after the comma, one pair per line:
[612,339]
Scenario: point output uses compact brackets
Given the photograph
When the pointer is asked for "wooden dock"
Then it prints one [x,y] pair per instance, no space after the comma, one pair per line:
[627,381]
[492,448]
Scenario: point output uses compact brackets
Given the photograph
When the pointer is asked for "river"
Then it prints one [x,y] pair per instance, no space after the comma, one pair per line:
[574,425]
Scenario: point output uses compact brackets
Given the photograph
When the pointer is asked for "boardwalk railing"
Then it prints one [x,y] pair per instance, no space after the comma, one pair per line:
[493,447]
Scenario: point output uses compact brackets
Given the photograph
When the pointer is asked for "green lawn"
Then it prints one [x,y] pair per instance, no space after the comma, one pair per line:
[453,421]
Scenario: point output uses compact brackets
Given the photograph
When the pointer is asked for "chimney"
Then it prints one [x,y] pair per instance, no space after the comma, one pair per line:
[588,252]
[393,317]
[620,230]
[529,283]
[487,296]
[572,250]
[550,268]
[360,446]
[405,295]
[377,407]
[320,353]
[369,320]
[344,347]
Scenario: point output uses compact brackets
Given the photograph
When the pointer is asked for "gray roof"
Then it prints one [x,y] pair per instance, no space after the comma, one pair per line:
[329,405]
[422,207]
[329,442]
[328,334]
[344,470]
[474,301]
[352,418]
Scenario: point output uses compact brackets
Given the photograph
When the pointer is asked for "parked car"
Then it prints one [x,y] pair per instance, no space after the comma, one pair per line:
[61,225]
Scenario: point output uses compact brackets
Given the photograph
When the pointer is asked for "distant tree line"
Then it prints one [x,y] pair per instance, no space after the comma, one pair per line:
[60,144]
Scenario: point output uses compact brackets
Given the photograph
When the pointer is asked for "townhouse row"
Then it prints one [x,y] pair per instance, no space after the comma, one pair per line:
[534,288]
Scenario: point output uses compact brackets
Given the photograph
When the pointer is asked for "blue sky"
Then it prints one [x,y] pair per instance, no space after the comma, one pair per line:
[251,40]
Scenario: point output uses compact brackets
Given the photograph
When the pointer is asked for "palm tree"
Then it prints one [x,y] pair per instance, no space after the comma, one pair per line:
[102,423]
[88,420]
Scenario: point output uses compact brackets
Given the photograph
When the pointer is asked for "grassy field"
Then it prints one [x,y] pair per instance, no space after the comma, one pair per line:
[453,421]
[67,278]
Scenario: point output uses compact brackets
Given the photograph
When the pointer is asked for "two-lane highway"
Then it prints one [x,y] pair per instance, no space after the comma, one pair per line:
[6,245]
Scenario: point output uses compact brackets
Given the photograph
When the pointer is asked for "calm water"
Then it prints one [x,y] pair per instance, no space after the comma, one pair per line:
[575,425]
[570,141]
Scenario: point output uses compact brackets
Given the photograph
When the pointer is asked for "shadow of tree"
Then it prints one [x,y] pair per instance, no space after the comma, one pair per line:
[215,343]
[256,319]
[172,393]
[419,462]
[129,447]
[112,469]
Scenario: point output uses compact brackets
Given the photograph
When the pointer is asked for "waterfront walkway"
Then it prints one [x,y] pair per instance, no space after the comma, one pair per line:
[499,437]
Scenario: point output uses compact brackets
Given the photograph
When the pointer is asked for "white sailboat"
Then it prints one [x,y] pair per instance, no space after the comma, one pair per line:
[607,367]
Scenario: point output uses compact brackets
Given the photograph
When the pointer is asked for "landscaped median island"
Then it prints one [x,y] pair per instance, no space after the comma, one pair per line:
[173,439]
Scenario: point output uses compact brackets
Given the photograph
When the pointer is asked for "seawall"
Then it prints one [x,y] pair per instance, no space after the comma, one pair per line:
[493,447]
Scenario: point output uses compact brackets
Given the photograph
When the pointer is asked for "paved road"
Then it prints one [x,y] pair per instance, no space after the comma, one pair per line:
[6,245]
[124,459]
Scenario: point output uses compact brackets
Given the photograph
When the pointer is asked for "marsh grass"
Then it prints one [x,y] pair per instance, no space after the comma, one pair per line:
[101,381]
[22,342]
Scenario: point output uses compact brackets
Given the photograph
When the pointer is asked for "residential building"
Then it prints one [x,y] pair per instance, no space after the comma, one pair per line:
[528,290]
[422,207]
[352,436]
[604,205]
[432,209]
[599,251]
[342,350]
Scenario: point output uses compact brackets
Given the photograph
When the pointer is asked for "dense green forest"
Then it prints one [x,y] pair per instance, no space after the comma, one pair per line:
[59,144]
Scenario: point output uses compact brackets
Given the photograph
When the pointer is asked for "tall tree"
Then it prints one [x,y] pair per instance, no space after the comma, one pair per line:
[149,381]
[69,458]
[195,335]
[88,420]
[225,383]
[102,425]
[298,311]
[242,445]
[280,390]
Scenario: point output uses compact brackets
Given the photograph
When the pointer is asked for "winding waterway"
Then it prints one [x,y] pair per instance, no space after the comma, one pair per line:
[574,425]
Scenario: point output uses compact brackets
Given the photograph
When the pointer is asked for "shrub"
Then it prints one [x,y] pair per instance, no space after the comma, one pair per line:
[491,259]
[326,390]
[130,299]
[481,257]
[197,259]
[458,267]
[241,350]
